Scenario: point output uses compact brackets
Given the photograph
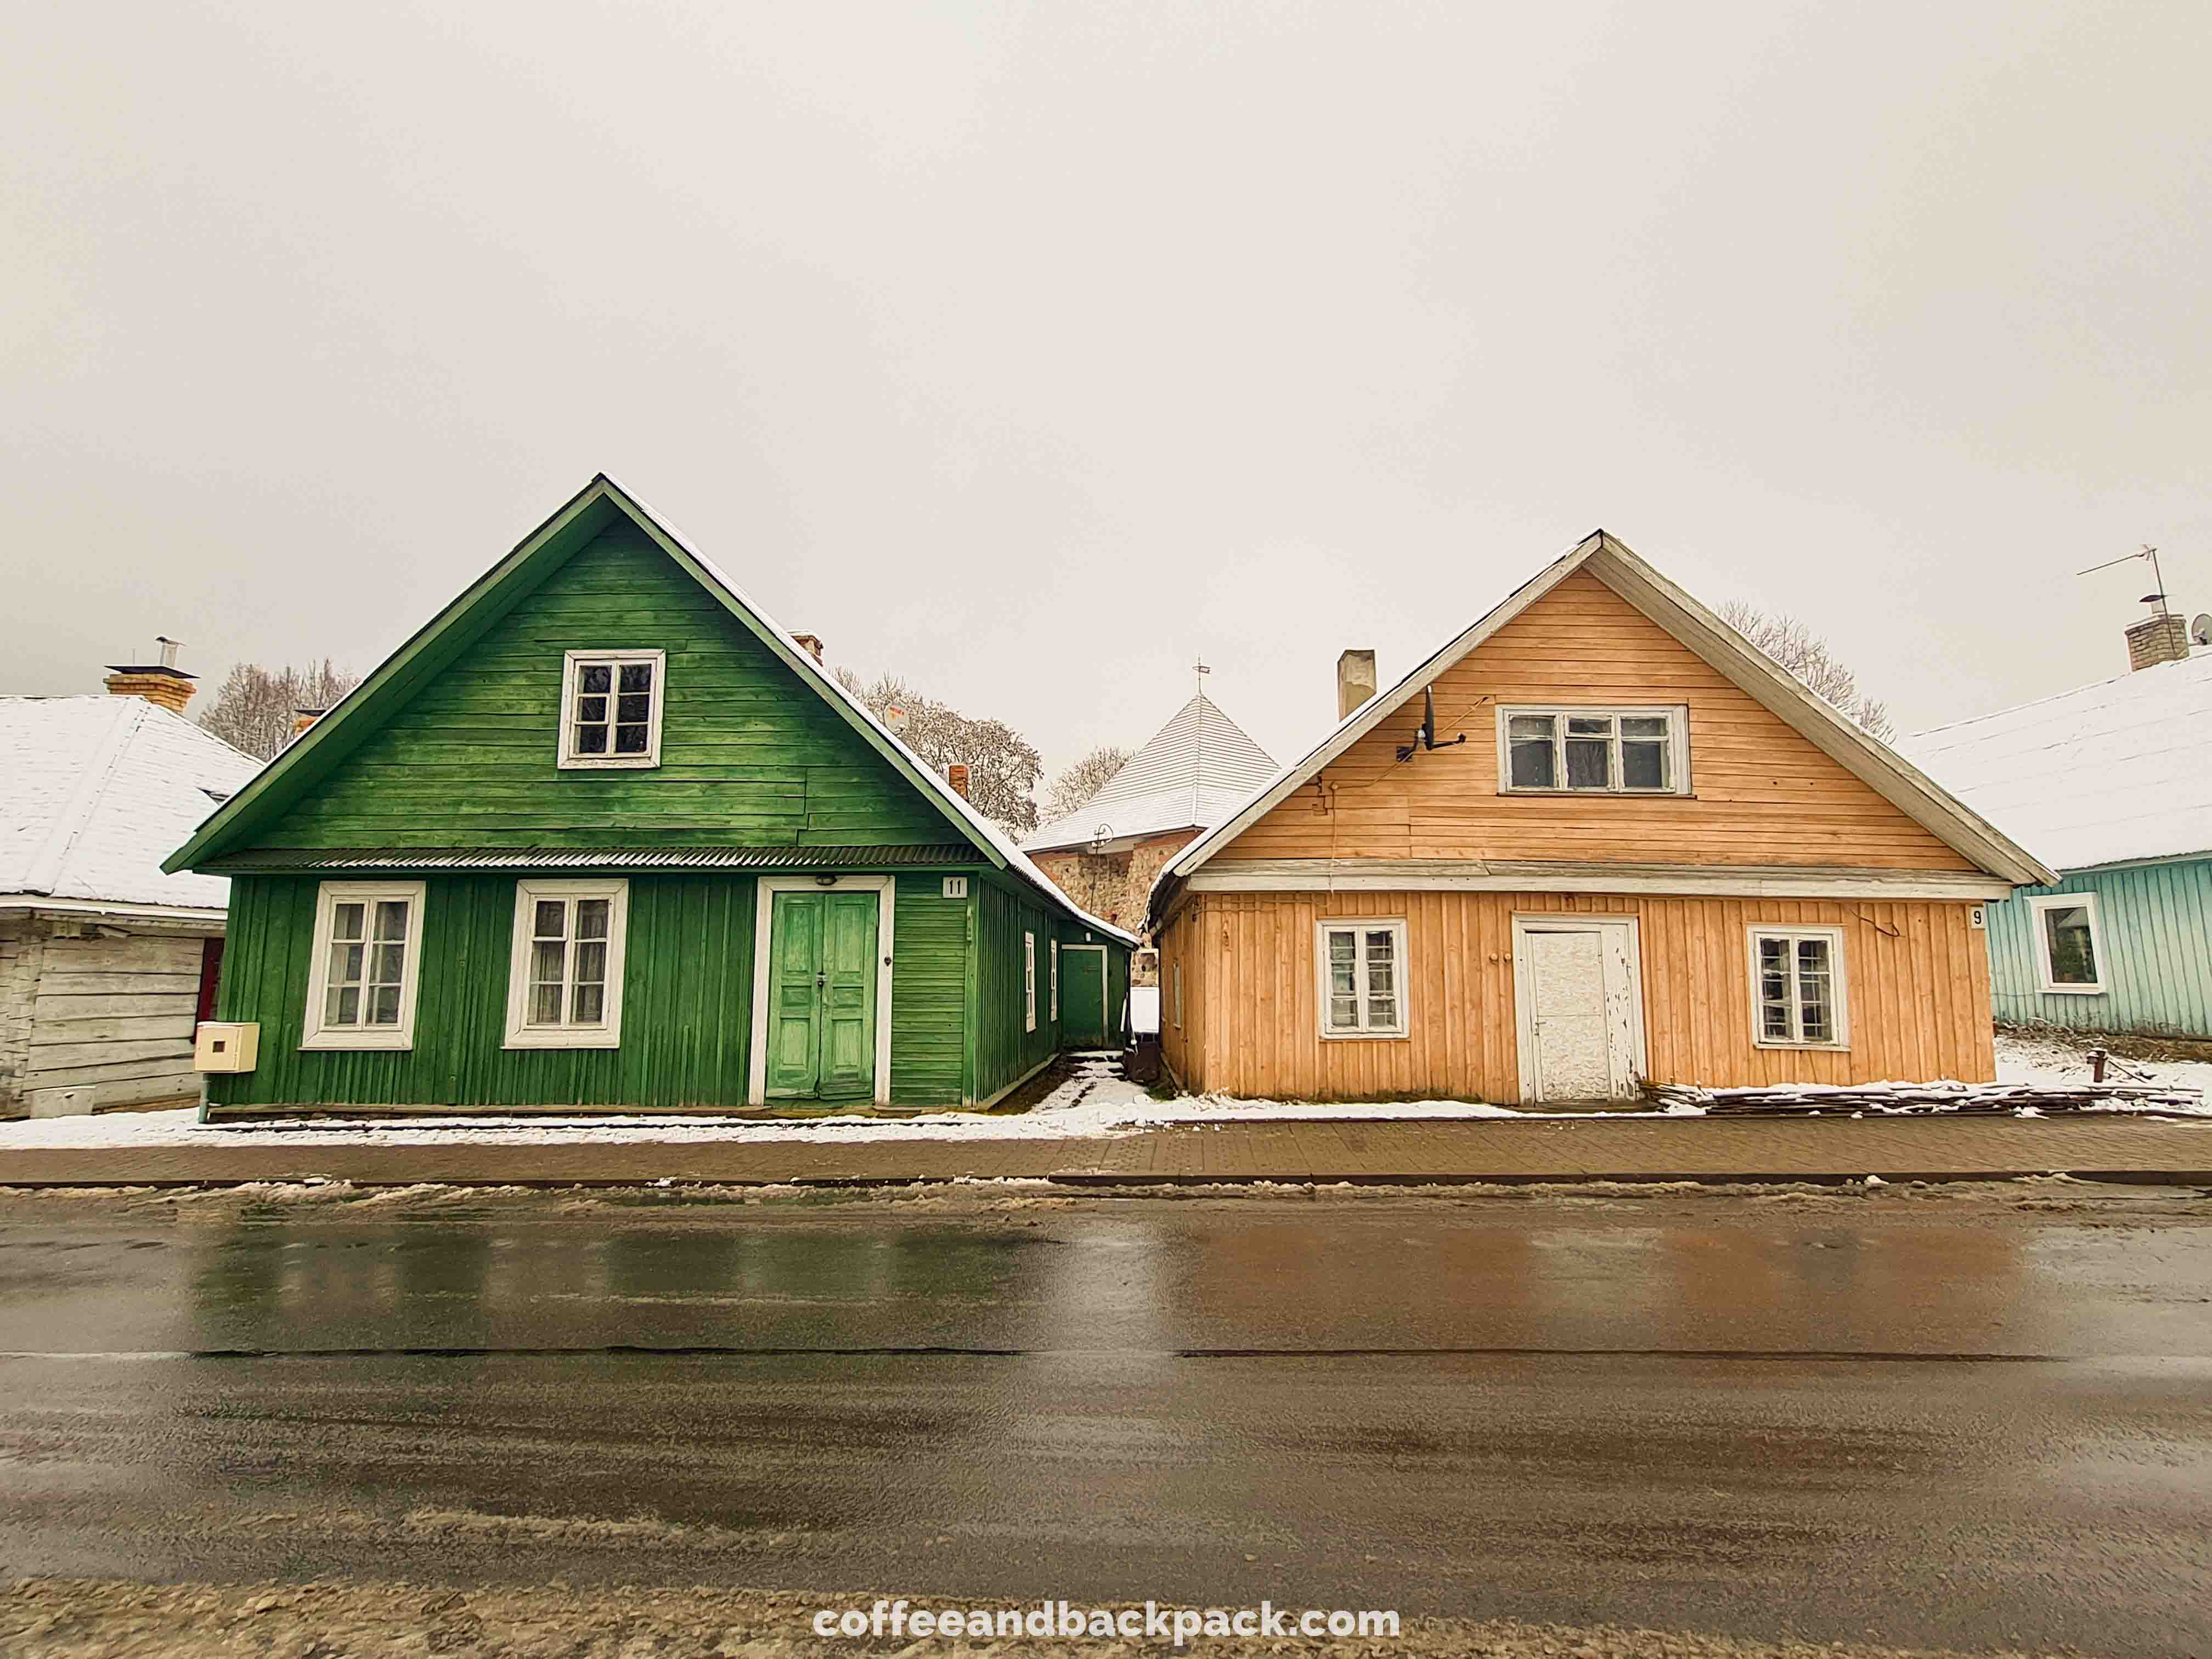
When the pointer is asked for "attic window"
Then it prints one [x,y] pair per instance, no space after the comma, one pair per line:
[610,709]
[1598,751]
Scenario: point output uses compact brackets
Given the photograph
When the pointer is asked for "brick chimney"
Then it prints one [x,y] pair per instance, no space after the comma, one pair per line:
[1355,680]
[304,718]
[2157,639]
[162,683]
[810,643]
[956,775]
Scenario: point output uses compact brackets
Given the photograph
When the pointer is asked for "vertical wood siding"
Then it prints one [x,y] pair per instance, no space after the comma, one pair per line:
[687,1002]
[1763,794]
[1005,1048]
[748,757]
[1917,979]
[2154,924]
[929,994]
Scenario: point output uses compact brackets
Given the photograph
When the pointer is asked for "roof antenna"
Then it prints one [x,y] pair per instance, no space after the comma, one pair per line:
[1425,738]
[2157,596]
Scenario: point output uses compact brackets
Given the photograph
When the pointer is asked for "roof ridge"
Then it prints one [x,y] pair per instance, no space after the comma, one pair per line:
[2127,678]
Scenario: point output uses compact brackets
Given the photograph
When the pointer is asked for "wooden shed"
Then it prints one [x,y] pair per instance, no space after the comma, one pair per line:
[105,962]
[602,835]
[1596,840]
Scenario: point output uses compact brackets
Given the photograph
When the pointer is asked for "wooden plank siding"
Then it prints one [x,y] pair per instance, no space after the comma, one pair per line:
[687,1001]
[1917,982]
[112,1015]
[1762,793]
[2154,928]
[748,757]
[1005,1050]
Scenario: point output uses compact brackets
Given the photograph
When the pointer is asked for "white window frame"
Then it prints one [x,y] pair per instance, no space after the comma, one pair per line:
[2045,972]
[571,665]
[1839,983]
[314,1033]
[607,1033]
[1029,980]
[1361,926]
[1178,966]
[1676,714]
[1054,950]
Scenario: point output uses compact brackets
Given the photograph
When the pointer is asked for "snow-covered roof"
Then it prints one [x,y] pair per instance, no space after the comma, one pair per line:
[2104,774]
[1197,770]
[99,789]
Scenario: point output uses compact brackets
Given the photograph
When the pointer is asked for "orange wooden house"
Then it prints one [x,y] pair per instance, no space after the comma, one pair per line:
[1655,856]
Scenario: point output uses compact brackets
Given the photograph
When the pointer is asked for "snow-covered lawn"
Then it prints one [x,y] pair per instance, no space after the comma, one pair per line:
[1094,1100]
[2061,1062]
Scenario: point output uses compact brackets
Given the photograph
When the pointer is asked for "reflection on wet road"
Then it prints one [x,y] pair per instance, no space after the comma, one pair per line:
[1940,1422]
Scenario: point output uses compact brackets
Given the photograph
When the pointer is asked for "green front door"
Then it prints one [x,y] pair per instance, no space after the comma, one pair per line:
[1082,996]
[822,991]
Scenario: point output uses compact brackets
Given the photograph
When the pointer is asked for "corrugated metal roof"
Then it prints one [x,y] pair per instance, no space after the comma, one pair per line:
[1197,768]
[275,859]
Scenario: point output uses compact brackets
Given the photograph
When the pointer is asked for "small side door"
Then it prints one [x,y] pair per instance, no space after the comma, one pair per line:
[1083,996]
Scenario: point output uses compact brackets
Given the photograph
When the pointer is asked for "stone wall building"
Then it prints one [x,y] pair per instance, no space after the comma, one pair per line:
[1106,855]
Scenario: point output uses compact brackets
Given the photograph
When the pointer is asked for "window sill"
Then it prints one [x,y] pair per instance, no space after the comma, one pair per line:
[2074,990]
[548,1037]
[596,763]
[1604,794]
[1366,1036]
[1802,1047]
[357,1041]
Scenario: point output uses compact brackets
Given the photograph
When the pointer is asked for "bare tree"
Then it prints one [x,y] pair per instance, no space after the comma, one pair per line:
[1003,768]
[254,706]
[1081,782]
[1795,647]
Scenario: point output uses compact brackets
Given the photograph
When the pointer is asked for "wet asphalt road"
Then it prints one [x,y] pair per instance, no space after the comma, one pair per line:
[1927,1420]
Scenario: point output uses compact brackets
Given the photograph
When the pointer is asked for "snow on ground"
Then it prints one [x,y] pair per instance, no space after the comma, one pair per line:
[2055,1061]
[1093,1100]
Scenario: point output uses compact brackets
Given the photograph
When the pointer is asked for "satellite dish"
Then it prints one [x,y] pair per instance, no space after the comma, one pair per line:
[2200,631]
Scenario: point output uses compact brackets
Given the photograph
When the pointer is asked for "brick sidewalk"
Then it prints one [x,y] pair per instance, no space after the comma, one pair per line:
[1587,1149]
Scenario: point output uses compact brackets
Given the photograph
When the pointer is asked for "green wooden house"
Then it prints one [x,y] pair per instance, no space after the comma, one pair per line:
[603,836]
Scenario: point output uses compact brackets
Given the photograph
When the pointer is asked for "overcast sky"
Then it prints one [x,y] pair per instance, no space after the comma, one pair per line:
[1031,351]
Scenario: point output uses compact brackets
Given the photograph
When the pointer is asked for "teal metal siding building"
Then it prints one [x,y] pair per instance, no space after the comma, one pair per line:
[603,836]
[2110,785]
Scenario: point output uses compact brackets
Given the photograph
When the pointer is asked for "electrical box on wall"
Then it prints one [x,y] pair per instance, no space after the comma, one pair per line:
[956,887]
[227,1045]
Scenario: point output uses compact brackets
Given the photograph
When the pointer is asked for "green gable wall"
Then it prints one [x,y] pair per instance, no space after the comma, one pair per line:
[687,1002]
[750,756]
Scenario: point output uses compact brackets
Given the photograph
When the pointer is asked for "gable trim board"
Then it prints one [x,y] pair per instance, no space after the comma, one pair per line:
[1704,634]
[442,640]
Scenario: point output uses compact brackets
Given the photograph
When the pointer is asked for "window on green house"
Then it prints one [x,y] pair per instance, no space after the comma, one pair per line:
[1028,981]
[367,954]
[610,703]
[565,969]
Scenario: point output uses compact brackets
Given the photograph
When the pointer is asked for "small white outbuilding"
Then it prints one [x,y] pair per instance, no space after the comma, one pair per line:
[106,963]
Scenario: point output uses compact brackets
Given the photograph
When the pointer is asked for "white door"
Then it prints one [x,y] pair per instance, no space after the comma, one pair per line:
[1580,1008]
